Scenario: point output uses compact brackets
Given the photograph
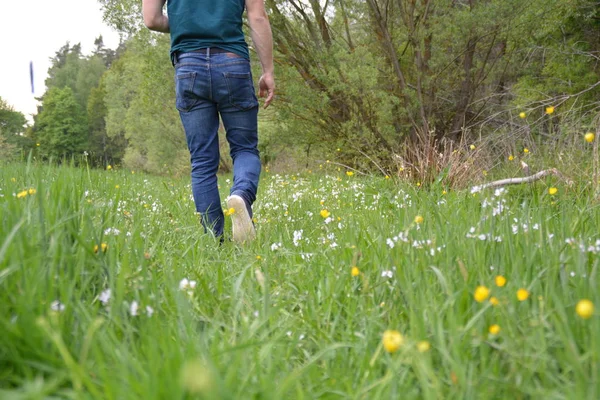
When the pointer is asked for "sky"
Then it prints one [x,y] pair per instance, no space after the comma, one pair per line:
[33,31]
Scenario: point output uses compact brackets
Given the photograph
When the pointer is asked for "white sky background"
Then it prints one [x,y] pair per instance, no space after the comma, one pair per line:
[34,30]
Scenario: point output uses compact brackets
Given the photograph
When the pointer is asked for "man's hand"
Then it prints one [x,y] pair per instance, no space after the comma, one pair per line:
[154,19]
[266,87]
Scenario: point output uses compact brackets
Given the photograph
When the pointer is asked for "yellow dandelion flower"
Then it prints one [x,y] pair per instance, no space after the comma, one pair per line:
[419,219]
[526,150]
[349,173]
[339,149]
[32,191]
[511,157]
[495,329]
[117,186]
[37,144]
[500,281]
[494,301]
[22,194]
[230,211]
[108,167]
[419,184]
[355,271]
[472,147]
[392,341]
[387,177]
[423,346]
[102,247]
[444,192]
[258,258]
[324,213]
[589,137]
[553,191]
[585,308]
[522,115]
[481,294]
[549,110]
[522,294]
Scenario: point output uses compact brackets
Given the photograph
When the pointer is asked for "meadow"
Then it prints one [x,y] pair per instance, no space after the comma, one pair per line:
[357,287]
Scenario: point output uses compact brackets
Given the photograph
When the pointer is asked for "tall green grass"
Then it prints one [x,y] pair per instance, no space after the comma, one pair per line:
[283,317]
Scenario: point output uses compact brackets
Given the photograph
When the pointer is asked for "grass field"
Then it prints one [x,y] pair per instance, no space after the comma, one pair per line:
[109,290]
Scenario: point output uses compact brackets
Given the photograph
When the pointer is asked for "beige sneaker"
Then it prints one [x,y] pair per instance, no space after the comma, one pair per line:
[243,229]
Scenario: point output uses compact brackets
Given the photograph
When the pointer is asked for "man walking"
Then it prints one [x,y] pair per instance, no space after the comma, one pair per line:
[212,79]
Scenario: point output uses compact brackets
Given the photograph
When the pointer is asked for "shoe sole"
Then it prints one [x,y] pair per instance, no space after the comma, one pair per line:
[243,229]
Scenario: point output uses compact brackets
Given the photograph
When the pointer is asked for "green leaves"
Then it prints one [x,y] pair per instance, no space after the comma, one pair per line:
[62,125]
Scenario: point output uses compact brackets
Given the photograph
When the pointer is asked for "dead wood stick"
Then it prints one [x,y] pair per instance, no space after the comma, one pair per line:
[516,181]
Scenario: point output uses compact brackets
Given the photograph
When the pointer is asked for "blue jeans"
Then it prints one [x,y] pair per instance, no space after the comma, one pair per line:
[206,86]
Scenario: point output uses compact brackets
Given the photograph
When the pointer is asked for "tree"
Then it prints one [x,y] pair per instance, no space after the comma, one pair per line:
[102,148]
[140,107]
[11,122]
[374,77]
[12,127]
[62,126]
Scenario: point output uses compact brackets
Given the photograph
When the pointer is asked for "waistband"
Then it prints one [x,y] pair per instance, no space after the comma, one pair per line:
[206,50]
[210,50]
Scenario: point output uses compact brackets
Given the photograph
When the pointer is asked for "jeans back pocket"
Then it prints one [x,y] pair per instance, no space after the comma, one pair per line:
[185,98]
[241,90]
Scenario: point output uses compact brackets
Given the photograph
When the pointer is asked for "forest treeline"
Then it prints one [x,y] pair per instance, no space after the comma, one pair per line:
[363,81]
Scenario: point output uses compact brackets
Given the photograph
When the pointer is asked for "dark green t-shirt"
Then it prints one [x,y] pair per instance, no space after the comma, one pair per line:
[197,24]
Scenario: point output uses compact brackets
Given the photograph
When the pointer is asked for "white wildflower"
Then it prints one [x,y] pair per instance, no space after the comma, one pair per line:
[186,284]
[133,308]
[149,311]
[388,274]
[298,237]
[104,296]
[57,306]
[112,231]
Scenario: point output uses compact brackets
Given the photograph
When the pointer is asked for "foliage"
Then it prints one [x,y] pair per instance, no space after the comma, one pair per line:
[11,122]
[375,78]
[83,76]
[62,125]
[141,108]
[109,268]
[12,129]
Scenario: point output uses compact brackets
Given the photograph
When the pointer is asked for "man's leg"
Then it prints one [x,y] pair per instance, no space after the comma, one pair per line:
[233,91]
[201,131]
[243,142]
[242,135]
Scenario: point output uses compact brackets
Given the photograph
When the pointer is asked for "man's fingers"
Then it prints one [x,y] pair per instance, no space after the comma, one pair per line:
[269,98]
[266,87]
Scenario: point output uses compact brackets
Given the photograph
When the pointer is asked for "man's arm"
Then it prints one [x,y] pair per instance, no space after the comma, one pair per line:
[154,19]
[260,31]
